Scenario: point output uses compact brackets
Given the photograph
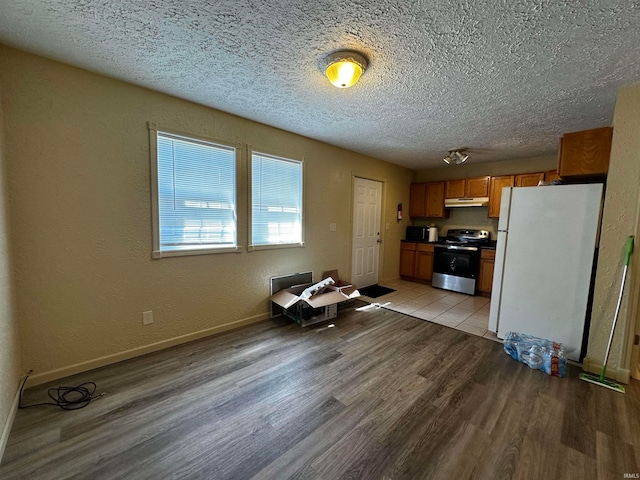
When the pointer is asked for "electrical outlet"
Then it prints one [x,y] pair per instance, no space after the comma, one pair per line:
[147,317]
[332,227]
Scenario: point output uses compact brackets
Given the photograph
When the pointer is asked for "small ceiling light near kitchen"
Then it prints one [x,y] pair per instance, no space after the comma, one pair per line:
[343,69]
[456,156]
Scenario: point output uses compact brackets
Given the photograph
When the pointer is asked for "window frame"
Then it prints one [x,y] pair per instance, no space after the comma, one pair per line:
[271,246]
[156,252]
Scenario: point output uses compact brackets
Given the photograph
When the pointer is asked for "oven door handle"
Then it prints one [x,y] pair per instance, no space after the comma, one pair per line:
[456,247]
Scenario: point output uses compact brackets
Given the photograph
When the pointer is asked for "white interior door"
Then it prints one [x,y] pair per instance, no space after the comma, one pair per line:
[367,203]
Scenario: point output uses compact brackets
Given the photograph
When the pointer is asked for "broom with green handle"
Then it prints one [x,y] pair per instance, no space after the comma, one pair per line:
[601,380]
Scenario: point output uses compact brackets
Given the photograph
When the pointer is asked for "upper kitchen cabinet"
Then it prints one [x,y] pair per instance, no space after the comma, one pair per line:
[455,188]
[478,187]
[551,176]
[585,154]
[470,187]
[427,200]
[495,193]
[417,197]
[529,179]
[435,200]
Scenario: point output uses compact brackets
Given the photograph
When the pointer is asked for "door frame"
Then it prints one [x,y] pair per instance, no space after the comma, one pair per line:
[383,205]
[630,357]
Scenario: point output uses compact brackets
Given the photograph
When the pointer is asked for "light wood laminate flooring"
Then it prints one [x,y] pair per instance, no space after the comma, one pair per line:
[380,395]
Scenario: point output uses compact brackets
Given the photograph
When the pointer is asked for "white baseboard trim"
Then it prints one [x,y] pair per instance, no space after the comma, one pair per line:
[622,375]
[6,429]
[56,374]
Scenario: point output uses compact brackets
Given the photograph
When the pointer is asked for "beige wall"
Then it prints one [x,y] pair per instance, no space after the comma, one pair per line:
[477,217]
[620,219]
[9,357]
[78,168]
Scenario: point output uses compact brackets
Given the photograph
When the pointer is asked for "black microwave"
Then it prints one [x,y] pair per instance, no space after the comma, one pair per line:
[416,234]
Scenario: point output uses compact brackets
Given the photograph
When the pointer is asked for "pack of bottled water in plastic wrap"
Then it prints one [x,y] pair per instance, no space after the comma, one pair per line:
[538,353]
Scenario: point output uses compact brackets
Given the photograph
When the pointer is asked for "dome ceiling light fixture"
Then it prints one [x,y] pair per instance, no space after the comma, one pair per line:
[343,68]
[456,156]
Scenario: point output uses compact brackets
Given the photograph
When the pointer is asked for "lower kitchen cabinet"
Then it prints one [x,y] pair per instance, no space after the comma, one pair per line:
[485,277]
[416,261]
[424,262]
[408,259]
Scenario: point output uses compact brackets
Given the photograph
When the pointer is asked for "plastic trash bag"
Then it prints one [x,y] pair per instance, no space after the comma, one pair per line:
[538,353]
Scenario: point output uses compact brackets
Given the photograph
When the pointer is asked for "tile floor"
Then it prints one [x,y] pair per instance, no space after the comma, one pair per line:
[456,310]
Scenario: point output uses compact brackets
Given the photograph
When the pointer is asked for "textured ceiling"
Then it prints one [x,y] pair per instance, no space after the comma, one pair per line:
[503,78]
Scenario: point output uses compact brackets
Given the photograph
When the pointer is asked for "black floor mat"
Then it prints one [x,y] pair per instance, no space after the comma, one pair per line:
[375,291]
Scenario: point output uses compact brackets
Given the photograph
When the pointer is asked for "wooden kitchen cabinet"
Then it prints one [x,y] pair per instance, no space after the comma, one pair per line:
[424,262]
[416,261]
[586,153]
[408,259]
[551,175]
[455,188]
[478,187]
[417,197]
[495,193]
[485,277]
[469,187]
[529,179]
[435,200]
[427,200]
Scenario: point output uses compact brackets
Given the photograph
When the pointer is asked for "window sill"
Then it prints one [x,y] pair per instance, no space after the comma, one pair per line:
[275,246]
[184,252]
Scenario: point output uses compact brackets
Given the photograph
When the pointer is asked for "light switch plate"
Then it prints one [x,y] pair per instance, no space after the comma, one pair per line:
[147,317]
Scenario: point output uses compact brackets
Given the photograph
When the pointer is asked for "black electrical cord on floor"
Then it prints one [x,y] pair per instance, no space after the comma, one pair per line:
[67,398]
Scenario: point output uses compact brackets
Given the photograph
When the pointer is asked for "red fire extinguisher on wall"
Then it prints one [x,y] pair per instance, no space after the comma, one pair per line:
[399,211]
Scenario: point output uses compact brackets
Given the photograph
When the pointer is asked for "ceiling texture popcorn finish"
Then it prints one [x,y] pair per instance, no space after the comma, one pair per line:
[505,78]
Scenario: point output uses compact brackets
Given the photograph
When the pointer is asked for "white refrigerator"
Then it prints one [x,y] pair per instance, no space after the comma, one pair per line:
[544,258]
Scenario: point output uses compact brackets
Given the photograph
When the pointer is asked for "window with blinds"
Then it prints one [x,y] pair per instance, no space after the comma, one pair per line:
[196,188]
[276,201]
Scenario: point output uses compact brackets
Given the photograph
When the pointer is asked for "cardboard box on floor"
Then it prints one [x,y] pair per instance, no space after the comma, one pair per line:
[342,286]
[312,303]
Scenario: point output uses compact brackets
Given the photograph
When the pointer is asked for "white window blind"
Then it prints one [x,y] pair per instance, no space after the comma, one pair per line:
[196,194]
[276,200]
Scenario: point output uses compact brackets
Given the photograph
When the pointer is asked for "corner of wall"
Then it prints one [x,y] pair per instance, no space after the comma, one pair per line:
[619,220]
[9,345]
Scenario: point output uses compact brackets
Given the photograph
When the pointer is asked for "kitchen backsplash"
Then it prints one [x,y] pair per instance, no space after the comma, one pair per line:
[463,217]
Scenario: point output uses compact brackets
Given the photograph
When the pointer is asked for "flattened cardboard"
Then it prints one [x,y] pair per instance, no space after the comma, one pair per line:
[285,299]
[327,298]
